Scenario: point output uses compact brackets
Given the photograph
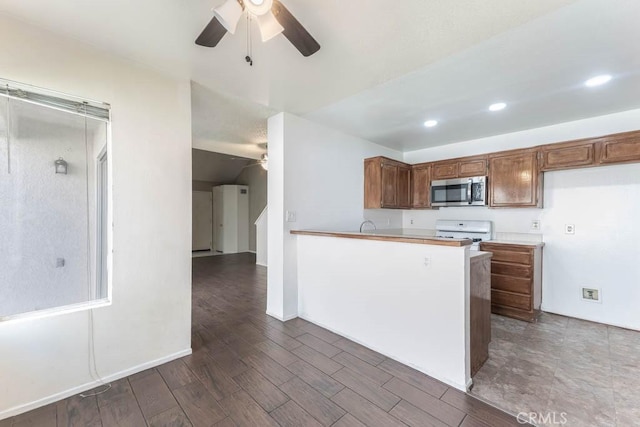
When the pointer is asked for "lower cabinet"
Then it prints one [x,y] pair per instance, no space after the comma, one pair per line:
[516,279]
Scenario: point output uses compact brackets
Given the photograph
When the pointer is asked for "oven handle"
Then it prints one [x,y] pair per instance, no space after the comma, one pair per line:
[469,188]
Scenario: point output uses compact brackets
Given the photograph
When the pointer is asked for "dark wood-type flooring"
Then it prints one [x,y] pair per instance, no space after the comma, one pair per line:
[248,369]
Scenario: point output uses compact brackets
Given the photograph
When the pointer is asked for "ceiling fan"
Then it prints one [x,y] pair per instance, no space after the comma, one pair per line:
[273,18]
[264,162]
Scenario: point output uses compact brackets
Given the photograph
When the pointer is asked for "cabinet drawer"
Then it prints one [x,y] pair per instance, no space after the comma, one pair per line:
[508,299]
[525,258]
[511,284]
[516,270]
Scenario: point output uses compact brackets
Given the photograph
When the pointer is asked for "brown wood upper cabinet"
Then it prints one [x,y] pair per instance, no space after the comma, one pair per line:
[619,148]
[460,168]
[514,179]
[444,170]
[569,155]
[421,186]
[387,183]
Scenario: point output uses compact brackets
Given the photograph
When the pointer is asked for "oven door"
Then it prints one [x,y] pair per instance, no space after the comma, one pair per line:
[459,192]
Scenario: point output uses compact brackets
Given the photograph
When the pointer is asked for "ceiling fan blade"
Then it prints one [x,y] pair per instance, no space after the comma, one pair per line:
[212,34]
[294,31]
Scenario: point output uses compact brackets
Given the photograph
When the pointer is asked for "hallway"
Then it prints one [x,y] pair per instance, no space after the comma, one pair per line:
[248,369]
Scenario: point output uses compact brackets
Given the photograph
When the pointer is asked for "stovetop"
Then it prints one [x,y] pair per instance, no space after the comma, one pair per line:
[477,231]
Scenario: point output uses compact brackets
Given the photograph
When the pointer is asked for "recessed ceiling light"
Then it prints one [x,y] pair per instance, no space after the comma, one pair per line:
[497,106]
[430,123]
[597,80]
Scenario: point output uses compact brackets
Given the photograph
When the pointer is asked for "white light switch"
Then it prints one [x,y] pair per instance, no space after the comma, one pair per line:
[291,216]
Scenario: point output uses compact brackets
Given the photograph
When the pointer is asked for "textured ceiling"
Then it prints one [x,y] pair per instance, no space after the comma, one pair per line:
[226,124]
[217,168]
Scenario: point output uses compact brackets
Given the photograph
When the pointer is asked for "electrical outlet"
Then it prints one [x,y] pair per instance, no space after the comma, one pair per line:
[591,294]
[412,221]
[569,229]
[535,224]
[60,262]
[291,216]
[427,261]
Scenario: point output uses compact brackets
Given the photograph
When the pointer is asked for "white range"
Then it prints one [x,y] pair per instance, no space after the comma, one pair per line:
[478,231]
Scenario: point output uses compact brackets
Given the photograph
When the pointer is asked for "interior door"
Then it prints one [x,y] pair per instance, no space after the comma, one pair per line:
[202,219]
[218,219]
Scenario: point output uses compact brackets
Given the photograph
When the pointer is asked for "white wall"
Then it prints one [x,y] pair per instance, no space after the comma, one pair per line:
[382,295]
[318,173]
[262,237]
[599,201]
[149,320]
[256,178]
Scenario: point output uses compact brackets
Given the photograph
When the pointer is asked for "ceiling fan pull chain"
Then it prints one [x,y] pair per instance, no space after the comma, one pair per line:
[248,57]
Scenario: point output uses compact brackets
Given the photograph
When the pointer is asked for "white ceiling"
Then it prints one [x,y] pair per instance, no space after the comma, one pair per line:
[226,124]
[538,69]
[383,66]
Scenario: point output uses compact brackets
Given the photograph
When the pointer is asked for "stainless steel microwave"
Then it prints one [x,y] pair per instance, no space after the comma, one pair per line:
[459,192]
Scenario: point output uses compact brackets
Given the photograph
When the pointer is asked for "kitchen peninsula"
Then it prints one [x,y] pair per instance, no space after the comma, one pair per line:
[406,296]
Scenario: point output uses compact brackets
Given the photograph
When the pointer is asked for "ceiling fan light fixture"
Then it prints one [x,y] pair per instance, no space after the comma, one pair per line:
[269,26]
[258,7]
[229,15]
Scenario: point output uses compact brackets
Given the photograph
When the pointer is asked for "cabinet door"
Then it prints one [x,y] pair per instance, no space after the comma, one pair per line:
[373,183]
[443,170]
[514,180]
[389,185]
[621,148]
[421,186]
[404,187]
[472,167]
[567,156]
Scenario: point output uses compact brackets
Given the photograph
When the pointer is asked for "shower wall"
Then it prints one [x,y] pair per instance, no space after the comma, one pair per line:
[47,225]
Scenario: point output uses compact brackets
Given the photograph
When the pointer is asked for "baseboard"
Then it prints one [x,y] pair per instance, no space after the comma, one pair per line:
[573,316]
[17,410]
[469,384]
[253,252]
[262,264]
[280,318]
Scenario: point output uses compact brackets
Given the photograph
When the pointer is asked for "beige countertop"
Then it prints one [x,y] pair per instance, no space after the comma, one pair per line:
[388,236]
[480,254]
[517,242]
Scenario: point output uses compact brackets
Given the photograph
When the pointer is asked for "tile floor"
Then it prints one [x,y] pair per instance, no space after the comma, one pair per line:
[588,370]
[249,369]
